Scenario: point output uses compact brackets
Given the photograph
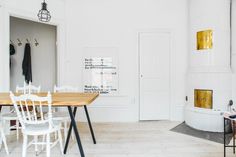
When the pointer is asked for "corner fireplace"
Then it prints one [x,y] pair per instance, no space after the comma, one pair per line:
[203,98]
[209,66]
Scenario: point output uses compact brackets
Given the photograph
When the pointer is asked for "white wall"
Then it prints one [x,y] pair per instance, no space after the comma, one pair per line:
[28,9]
[116,23]
[234,36]
[108,23]
[43,56]
[1,43]
[56,7]
[233,59]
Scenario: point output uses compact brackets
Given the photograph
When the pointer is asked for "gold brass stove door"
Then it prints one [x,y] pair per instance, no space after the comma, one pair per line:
[204,40]
[203,98]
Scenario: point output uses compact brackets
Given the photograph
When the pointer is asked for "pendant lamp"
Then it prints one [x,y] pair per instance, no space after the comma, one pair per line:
[44,14]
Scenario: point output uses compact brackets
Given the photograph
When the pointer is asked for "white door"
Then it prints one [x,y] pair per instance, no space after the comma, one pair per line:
[154,75]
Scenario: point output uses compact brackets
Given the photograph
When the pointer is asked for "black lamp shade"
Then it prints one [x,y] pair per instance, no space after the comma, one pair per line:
[44,14]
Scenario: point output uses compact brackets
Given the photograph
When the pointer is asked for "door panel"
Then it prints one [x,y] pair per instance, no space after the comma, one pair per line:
[154,76]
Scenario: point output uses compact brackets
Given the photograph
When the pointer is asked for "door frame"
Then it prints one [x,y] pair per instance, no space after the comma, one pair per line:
[61,57]
[170,32]
[56,46]
[60,39]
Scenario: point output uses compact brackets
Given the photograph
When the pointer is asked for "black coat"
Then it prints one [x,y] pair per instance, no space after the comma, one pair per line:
[12,52]
[26,64]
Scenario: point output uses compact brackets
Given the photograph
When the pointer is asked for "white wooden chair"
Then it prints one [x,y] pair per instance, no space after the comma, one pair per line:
[63,115]
[3,138]
[12,116]
[36,123]
[28,89]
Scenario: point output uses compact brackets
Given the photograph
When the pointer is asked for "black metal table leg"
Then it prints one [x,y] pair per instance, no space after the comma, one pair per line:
[73,124]
[224,139]
[233,137]
[69,133]
[90,125]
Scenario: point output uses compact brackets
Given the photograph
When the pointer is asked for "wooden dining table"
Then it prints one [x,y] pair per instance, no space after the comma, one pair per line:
[69,100]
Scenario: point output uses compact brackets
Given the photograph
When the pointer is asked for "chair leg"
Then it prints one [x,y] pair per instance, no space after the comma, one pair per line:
[0,140]
[60,141]
[55,135]
[36,144]
[17,130]
[48,145]
[43,140]
[4,123]
[4,142]
[65,130]
[24,146]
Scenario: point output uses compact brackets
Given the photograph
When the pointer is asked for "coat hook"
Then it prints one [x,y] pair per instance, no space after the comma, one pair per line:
[11,42]
[36,42]
[19,42]
[27,40]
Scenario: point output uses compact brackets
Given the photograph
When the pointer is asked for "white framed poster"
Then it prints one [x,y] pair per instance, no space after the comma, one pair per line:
[100,70]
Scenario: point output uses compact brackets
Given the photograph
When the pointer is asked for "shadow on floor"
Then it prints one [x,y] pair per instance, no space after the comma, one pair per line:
[183,128]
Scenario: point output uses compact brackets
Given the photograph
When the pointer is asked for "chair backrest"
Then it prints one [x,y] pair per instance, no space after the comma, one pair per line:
[28,89]
[26,106]
[65,89]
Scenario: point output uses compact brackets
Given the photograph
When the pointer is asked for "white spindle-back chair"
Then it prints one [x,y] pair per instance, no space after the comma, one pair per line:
[65,89]
[60,115]
[28,89]
[29,109]
[2,137]
[11,116]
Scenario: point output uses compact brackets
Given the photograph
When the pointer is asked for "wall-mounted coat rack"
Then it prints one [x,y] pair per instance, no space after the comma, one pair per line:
[36,43]
[19,42]
[27,40]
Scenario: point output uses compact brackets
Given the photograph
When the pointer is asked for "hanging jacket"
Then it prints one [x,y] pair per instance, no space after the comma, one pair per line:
[26,64]
[12,51]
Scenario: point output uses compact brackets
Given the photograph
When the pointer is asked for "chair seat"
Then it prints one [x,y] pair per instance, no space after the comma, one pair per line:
[41,129]
[62,116]
[10,116]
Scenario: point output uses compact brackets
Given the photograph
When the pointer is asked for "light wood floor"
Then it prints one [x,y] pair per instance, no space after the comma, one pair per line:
[144,139]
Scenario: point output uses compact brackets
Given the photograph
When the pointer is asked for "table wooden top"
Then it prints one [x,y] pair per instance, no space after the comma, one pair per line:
[58,99]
